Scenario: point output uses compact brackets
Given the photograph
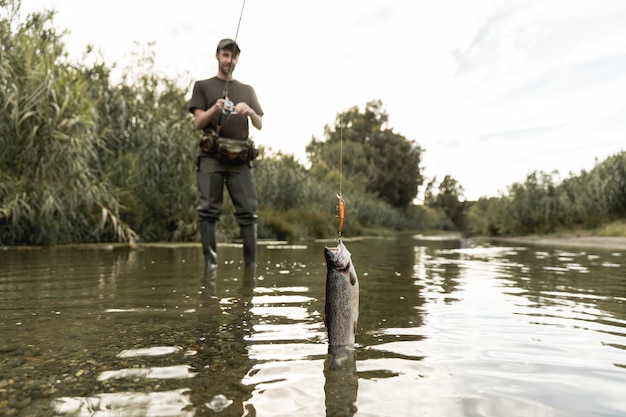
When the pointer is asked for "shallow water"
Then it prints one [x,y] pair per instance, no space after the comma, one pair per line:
[443,331]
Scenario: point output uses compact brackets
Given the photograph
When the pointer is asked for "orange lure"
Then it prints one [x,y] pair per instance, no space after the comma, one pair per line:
[341,210]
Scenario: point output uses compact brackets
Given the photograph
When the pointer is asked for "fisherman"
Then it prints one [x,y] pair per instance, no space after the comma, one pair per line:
[221,107]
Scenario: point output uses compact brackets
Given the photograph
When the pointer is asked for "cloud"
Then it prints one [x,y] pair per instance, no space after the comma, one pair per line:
[517,134]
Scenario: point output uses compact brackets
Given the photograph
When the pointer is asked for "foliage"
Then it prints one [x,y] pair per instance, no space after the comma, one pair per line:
[149,142]
[359,144]
[300,203]
[285,184]
[49,191]
[84,160]
[542,205]
[449,199]
[616,228]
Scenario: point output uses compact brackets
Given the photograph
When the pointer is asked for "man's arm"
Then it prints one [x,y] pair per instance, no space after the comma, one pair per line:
[255,118]
[203,117]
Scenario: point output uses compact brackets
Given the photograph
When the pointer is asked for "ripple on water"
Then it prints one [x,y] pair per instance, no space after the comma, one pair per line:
[150,351]
[158,372]
[287,388]
[175,403]
[286,332]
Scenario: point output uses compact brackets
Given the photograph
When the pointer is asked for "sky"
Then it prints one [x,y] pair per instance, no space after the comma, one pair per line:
[492,90]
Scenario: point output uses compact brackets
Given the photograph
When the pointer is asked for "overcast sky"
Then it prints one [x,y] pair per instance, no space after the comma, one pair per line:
[490,89]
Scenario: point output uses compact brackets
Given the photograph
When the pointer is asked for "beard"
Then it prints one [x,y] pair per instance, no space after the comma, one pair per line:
[227,68]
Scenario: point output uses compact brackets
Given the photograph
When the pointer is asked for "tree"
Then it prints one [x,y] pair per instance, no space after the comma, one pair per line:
[535,203]
[450,199]
[384,162]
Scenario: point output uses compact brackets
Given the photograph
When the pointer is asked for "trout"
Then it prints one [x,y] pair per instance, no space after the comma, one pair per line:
[342,297]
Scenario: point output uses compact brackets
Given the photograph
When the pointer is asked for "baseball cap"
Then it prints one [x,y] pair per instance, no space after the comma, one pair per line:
[230,44]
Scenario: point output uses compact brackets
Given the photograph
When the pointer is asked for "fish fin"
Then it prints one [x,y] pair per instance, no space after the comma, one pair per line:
[353,277]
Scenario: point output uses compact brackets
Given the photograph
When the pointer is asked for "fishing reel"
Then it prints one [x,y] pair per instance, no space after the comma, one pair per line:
[229,108]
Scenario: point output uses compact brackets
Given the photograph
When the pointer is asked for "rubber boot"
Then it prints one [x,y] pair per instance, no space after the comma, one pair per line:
[208,237]
[248,234]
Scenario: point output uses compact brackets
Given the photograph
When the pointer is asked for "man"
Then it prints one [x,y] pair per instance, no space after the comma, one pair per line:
[222,106]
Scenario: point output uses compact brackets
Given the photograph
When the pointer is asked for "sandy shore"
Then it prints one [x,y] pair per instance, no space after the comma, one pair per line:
[618,243]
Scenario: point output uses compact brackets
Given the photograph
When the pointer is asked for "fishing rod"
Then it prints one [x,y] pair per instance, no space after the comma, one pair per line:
[229,106]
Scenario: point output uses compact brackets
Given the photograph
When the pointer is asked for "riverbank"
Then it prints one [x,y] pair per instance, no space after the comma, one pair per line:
[603,242]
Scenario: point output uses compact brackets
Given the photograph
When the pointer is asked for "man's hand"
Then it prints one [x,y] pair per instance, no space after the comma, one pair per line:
[219,104]
[243,108]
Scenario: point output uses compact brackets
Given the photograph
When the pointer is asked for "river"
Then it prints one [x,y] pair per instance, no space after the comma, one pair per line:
[445,329]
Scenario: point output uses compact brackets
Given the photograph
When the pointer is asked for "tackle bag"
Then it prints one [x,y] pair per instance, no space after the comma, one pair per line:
[229,151]
[234,151]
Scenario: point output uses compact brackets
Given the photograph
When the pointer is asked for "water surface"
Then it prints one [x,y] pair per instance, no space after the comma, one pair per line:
[444,330]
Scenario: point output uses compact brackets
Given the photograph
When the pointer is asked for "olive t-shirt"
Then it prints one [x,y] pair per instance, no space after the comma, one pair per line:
[207,92]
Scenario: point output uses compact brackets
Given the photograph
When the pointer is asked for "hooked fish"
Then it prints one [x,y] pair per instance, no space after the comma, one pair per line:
[341,313]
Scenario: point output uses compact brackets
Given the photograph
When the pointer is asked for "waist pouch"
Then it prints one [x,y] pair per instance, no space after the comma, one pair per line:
[229,151]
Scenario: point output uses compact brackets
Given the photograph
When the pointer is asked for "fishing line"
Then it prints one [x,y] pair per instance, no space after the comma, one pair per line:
[340,152]
[341,208]
[342,43]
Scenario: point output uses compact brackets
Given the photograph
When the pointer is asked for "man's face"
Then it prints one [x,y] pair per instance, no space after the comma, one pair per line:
[226,61]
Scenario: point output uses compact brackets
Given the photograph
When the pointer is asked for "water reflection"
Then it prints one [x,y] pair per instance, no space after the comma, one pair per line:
[444,329]
[341,383]
[222,359]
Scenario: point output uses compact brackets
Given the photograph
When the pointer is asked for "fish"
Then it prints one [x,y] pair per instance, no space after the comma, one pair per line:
[341,312]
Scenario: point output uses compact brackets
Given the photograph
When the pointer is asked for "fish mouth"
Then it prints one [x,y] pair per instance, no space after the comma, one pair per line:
[332,253]
[338,257]
[336,248]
